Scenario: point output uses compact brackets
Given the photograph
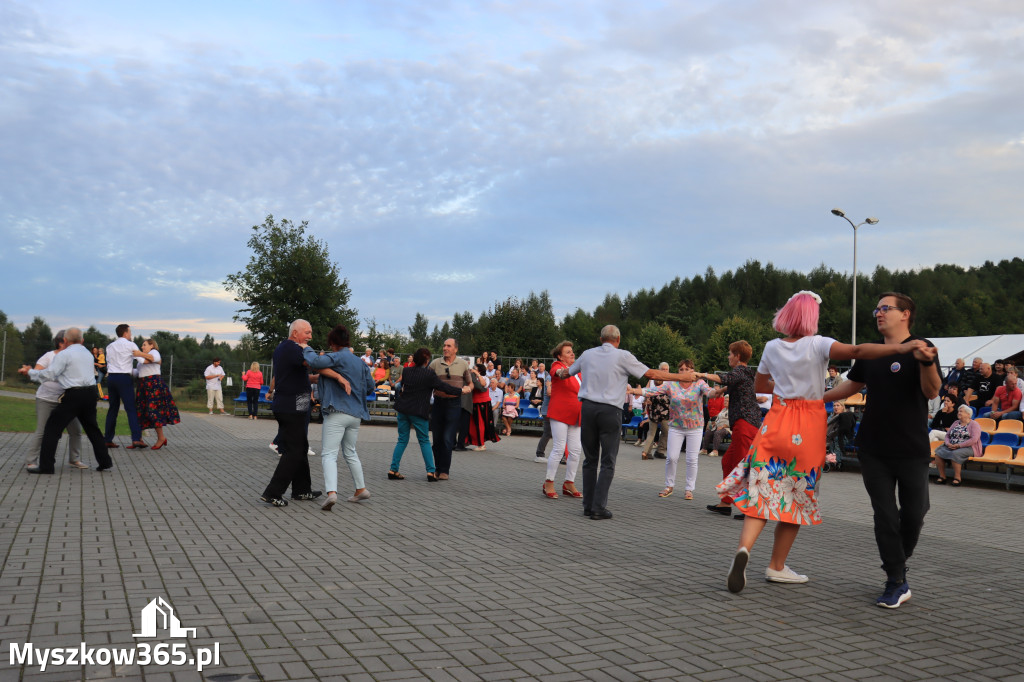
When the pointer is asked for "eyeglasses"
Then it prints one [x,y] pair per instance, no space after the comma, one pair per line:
[884,309]
[447,373]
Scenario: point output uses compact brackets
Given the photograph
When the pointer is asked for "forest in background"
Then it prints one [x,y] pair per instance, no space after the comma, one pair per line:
[695,317]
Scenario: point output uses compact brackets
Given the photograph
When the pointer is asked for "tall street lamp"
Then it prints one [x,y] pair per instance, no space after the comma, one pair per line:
[869,221]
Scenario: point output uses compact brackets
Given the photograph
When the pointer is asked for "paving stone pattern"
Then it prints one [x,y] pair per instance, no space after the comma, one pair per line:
[480,577]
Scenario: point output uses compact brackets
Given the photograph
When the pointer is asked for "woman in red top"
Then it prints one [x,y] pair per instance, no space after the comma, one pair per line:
[564,416]
[253,381]
[481,421]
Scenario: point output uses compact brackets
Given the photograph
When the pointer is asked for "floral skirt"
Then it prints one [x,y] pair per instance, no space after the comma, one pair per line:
[779,477]
[154,403]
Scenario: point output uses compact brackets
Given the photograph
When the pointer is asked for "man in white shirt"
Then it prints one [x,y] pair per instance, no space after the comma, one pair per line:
[73,369]
[47,399]
[121,355]
[214,375]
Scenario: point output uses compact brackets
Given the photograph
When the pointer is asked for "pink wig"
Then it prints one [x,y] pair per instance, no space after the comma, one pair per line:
[799,317]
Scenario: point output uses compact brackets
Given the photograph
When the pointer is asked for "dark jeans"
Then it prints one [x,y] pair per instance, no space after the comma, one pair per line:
[599,435]
[444,424]
[120,390]
[897,528]
[545,437]
[293,467]
[252,401]
[463,434]
[76,403]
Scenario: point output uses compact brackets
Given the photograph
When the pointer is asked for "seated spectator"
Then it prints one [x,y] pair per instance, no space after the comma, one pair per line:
[954,377]
[943,419]
[538,394]
[764,401]
[982,389]
[395,372]
[380,373]
[999,371]
[409,362]
[716,403]
[833,378]
[969,379]
[367,357]
[953,391]
[542,372]
[496,393]
[963,441]
[717,430]
[839,431]
[489,371]
[1006,400]
[534,366]
[509,408]
[1015,373]
[529,386]
[516,379]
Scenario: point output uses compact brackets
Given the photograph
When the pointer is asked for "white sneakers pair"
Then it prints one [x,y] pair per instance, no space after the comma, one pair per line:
[737,577]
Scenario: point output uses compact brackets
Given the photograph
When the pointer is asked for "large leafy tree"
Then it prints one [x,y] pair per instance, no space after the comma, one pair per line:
[290,275]
[656,343]
[37,339]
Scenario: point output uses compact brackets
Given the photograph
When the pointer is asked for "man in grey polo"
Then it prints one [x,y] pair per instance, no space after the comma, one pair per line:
[605,371]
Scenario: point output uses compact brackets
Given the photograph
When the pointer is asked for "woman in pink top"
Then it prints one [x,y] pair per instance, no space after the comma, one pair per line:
[253,380]
[686,425]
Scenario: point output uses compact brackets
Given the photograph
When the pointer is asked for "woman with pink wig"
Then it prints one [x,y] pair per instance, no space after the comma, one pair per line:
[779,477]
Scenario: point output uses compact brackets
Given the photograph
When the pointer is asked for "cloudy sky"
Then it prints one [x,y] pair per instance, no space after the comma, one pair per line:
[455,153]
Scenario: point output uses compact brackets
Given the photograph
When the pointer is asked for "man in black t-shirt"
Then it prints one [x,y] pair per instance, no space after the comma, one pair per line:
[984,387]
[892,441]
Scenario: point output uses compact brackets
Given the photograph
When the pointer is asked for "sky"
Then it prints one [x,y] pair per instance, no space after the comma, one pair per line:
[452,154]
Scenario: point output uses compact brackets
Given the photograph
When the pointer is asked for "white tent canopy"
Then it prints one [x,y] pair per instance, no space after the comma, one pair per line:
[988,348]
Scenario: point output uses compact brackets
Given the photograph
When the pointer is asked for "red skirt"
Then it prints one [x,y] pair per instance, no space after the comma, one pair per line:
[154,404]
[778,479]
[481,425]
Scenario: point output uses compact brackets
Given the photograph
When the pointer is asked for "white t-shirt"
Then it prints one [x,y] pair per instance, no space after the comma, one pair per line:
[214,383]
[50,391]
[148,369]
[798,367]
[120,356]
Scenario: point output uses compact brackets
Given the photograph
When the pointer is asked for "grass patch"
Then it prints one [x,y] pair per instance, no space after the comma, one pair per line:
[19,415]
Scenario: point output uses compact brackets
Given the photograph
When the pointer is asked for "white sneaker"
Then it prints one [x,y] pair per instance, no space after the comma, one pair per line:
[786,575]
[310,453]
[540,458]
[79,465]
[274,449]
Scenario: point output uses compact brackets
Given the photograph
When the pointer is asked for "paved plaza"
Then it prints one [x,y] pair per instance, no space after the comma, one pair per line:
[481,577]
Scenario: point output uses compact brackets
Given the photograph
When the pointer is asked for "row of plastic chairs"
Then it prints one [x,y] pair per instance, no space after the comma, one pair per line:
[1014,426]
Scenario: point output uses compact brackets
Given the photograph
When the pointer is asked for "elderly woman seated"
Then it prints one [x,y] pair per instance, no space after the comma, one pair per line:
[963,441]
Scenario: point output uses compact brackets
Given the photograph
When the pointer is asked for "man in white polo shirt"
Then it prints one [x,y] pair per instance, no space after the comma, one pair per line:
[214,375]
[120,357]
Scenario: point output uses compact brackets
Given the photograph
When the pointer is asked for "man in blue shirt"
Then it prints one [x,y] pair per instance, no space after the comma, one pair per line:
[73,369]
[603,390]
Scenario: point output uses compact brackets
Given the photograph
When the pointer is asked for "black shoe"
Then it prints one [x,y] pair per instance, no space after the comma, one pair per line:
[37,470]
[459,448]
[104,468]
[603,514]
[724,511]
[276,501]
[740,517]
[562,461]
[587,512]
[658,455]
[311,495]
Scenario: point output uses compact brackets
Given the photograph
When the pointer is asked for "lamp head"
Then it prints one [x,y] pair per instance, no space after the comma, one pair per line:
[838,212]
[872,221]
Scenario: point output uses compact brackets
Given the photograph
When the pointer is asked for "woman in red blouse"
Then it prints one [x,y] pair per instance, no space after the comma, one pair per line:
[564,415]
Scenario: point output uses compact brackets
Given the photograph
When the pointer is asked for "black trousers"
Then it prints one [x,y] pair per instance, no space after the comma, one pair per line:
[444,424]
[252,401]
[599,435]
[80,404]
[889,480]
[463,436]
[293,467]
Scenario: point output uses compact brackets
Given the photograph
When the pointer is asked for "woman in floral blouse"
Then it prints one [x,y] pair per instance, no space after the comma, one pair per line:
[686,425]
[778,478]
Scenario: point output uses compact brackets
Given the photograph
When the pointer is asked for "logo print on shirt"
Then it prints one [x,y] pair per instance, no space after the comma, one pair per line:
[894,367]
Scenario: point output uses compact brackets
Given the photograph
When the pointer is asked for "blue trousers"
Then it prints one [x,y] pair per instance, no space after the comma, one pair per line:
[444,424]
[121,391]
[420,424]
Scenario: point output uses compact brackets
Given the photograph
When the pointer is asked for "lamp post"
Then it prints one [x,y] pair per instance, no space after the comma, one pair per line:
[869,221]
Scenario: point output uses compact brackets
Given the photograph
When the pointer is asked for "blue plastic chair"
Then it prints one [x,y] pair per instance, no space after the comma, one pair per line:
[530,413]
[1003,438]
[982,411]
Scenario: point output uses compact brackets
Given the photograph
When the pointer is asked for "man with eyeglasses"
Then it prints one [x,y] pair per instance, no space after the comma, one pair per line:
[446,410]
[892,440]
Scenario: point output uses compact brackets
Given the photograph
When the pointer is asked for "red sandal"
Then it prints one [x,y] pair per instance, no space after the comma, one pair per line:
[571,492]
[553,495]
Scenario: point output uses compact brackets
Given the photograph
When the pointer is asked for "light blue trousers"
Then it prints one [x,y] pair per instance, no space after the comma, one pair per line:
[420,424]
[340,432]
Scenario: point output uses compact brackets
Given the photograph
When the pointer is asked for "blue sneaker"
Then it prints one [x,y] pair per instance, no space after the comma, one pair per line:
[895,594]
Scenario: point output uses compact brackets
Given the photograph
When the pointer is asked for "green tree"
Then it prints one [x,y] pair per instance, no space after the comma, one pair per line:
[94,338]
[582,329]
[715,352]
[419,332]
[11,351]
[656,343]
[36,340]
[289,276]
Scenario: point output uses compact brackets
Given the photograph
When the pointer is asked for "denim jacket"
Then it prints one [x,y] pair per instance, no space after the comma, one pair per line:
[332,394]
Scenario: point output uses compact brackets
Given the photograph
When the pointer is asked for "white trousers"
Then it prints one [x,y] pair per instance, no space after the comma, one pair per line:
[561,435]
[676,437]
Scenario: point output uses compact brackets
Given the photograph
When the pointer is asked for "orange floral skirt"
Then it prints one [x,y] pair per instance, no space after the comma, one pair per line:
[778,479]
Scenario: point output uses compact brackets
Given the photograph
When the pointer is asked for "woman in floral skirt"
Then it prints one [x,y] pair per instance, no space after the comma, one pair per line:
[778,479]
[153,401]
